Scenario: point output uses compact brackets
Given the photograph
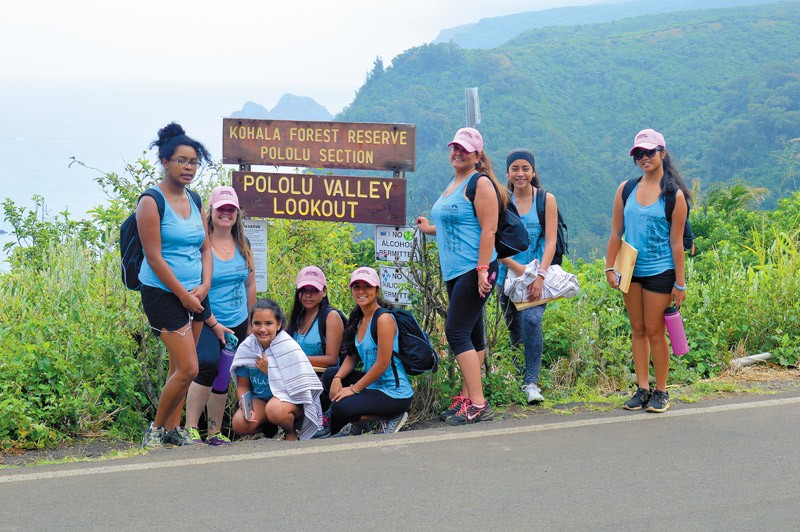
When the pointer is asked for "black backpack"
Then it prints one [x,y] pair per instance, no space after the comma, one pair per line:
[562,238]
[130,245]
[669,206]
[322,325]
[416,351]
[511,237]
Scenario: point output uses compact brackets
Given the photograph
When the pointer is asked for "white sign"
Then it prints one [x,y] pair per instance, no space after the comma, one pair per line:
[393,284]
[393,243]
[256,232]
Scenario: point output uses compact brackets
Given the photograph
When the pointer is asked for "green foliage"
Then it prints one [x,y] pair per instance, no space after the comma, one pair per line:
[722,84]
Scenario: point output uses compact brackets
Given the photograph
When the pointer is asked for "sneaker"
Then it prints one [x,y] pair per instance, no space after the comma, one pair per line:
[218,439]
[638,400]
[470,413]
[454,407]
[322,433]
[534,393]
[194,435]
[390,426]
[659,402]
[178,437]
[352,429]
[154,437]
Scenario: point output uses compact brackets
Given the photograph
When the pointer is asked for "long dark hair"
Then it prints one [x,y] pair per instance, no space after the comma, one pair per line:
[299,311]
[350,332]
[672,181]
[171,136]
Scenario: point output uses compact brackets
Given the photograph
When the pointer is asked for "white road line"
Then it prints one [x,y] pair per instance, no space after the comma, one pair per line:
[349,444]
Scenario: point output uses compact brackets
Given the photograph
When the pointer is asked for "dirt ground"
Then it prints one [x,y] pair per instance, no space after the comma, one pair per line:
[760,378]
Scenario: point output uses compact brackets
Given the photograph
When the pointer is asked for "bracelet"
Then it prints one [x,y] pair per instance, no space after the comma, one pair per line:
[215,324]
[354,390]
[480,267]
[679,287]
[608,270]
[337,377]
[542,273]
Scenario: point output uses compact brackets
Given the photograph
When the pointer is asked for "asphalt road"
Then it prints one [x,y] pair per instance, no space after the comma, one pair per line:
[720,465]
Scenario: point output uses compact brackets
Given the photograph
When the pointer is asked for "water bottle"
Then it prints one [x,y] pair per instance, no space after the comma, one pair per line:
[225,359]
[677,334]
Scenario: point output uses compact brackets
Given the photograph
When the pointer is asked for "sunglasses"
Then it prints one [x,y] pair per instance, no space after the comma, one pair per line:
[640,154]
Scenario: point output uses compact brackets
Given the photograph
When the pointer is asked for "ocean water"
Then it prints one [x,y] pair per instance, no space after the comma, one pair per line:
[42,127]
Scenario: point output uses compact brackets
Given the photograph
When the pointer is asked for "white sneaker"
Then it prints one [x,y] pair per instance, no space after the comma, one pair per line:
[534,393]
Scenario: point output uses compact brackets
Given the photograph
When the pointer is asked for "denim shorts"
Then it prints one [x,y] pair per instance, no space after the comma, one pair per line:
[166,312]
[660,283]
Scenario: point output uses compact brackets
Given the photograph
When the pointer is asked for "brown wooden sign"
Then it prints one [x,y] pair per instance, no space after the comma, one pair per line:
[372,200]
[319,144]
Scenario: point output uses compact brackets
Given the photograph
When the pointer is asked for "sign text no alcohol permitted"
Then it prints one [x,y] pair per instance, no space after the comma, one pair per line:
[363,146]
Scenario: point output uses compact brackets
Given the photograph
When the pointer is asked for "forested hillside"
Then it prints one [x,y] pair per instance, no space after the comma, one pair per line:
[723,85]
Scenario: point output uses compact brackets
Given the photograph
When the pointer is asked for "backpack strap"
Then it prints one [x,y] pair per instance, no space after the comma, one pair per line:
[540,201]
[158,196]
[373,329]
[196,197]
[472,188]
[322,322]
[630,184]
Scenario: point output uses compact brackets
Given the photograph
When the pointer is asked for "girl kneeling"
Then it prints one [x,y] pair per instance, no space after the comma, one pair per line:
[380,394]
[271,365]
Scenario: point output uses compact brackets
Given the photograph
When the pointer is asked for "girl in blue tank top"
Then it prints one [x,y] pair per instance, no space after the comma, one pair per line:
[232,294]
[176,276]
[525,326]
[659,277]
[465,234]
[373,399]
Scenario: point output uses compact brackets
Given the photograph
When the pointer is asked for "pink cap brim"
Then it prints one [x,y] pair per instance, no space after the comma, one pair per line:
[643,146]
[464,145]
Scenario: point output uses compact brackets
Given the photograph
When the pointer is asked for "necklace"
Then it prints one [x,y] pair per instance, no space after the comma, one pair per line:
[223,250]
[307,322]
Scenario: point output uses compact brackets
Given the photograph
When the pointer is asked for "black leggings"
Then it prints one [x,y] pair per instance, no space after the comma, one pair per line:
[366,403]
[464,325]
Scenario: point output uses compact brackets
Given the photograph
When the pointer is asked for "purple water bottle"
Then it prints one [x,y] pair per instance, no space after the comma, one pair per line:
[677,334]
[225,359]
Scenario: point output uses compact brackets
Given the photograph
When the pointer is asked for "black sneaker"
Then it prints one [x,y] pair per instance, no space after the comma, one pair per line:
[639,400]
[470,413]
[455,406]
[659,402]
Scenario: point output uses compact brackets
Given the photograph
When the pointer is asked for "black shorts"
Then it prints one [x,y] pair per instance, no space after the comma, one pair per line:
[660,283]
[165,311]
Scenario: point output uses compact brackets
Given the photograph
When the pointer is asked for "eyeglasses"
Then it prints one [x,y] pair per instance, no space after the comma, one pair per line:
[639,154]
[186,163]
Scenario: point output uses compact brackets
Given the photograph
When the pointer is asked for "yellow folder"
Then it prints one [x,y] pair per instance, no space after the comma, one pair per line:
[623,265]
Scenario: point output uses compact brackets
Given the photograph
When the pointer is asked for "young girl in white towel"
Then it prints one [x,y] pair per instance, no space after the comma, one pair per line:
[271,365]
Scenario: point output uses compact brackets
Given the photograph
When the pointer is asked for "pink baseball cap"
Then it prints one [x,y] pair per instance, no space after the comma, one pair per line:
[468,138]
[311,276]
[223,196]
[366,274]
[648,139]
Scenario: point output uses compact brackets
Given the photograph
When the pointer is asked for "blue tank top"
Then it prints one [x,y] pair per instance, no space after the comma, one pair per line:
[228,296]
[368,351]
[310,342]
[647,230]
[531,221]
[458,233]
[181,239]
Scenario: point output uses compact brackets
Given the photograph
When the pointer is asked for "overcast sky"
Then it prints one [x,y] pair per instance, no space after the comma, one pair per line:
[317,48]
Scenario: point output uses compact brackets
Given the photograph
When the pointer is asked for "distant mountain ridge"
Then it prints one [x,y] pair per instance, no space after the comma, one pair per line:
[289,107]
[723,85]
[495,31]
